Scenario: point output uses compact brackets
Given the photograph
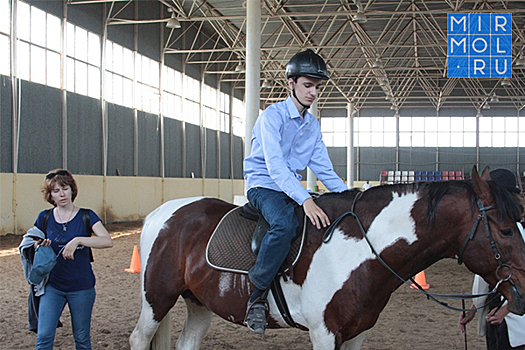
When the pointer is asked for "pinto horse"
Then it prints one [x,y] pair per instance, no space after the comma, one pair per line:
[339,285]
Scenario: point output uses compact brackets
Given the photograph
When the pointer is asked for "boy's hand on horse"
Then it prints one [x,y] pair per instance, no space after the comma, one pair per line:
[316,215]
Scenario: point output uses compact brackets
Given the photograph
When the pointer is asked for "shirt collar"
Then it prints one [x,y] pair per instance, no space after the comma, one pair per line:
[294,112]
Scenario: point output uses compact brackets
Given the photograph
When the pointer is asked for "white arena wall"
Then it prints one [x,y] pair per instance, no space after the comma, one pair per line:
[113,198]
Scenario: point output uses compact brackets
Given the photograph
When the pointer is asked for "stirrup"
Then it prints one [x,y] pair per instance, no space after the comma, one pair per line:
[256,316]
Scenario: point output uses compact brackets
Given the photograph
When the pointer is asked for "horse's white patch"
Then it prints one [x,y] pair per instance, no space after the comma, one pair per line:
[225,283]
[334,262]
[145,328]
[154,222]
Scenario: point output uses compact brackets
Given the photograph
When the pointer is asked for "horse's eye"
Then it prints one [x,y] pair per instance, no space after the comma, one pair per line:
[506,232]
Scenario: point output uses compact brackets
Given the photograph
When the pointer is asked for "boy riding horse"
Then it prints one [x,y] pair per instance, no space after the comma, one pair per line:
[285,140]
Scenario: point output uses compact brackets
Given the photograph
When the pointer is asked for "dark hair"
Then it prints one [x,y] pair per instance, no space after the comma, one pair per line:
[63,178]
[506,179]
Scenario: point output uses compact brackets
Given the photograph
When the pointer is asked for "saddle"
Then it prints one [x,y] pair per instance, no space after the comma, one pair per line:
[236,241]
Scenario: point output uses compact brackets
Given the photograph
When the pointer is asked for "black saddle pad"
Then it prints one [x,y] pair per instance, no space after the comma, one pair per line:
[229,247]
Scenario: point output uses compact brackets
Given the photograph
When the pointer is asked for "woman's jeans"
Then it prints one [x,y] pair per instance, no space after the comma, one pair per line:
[52,304]
[279,211]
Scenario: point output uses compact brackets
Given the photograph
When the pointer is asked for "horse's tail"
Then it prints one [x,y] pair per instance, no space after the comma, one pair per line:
[162,338]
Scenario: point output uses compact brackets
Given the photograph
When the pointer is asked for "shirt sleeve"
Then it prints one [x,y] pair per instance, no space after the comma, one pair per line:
[39,222]
[322,167]
[480,287]
[93,219]
[270,139]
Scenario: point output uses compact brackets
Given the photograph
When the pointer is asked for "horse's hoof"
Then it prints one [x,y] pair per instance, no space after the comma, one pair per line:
[256,315]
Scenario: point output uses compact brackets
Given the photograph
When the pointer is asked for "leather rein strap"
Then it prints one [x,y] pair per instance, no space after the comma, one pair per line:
[482,215]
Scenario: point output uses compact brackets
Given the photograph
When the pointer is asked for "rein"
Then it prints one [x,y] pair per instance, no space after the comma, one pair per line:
[432,296]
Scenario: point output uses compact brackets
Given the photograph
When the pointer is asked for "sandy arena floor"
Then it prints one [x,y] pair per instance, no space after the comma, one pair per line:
[409,321]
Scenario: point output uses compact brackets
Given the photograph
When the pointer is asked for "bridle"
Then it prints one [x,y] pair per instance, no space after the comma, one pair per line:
[483,216]
[432,296]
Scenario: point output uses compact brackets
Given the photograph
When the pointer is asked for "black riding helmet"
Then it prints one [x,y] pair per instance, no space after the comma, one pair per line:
[307,63]
[505,178]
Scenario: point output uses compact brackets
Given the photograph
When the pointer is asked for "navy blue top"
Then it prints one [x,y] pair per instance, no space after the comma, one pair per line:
[69,275]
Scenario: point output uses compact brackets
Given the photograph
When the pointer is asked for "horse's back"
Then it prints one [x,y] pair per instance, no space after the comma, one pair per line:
[172,216]
[158,217]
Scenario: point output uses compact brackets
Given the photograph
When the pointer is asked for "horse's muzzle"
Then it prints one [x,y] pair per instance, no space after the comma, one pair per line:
[517,303]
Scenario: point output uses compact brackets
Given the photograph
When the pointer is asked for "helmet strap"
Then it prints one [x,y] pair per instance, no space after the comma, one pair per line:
[297,99]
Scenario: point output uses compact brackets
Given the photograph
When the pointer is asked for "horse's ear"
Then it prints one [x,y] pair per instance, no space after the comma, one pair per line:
[479,183]
[485,175]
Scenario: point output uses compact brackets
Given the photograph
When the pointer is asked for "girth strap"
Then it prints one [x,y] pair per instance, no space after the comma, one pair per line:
[280,300]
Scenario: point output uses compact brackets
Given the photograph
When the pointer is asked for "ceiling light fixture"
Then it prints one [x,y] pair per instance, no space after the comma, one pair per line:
[520,62]
[173,22]
[240,68]
[479,115]
[359,17]
[486,105]
[505,82]
[494,98]
[266,84]
[378,64]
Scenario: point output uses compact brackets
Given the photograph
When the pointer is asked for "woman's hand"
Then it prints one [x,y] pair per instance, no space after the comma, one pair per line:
[42,242]
[70,248]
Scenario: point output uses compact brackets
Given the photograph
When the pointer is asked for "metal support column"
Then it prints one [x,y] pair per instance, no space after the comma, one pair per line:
[63,83]
[350,145]
[311,178]
[397,116]
[253,68]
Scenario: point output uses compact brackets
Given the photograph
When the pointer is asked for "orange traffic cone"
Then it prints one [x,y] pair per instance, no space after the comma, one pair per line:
[421,280]
[134,267]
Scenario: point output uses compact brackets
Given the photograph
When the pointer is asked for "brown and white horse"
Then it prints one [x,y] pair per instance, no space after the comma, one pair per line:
[340,287]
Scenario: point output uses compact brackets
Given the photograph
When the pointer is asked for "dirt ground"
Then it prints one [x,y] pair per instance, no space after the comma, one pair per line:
[409,321]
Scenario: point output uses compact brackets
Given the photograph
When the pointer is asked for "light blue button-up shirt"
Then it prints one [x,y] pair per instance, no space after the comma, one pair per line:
[283,143]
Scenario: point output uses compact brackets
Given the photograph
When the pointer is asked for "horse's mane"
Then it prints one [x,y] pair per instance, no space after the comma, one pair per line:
[507,204]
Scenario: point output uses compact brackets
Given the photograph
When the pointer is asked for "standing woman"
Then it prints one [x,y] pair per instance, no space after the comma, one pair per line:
[72,280]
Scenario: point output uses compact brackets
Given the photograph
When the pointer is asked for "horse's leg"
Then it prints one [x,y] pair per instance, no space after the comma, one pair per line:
[198,320]
[323,340]
[147,327]
[355,343]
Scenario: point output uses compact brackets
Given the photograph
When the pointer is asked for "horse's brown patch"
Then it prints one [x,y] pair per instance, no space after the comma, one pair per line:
[180,241]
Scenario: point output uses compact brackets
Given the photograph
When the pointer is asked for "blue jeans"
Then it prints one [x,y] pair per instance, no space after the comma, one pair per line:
[52,304]
[278,209]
